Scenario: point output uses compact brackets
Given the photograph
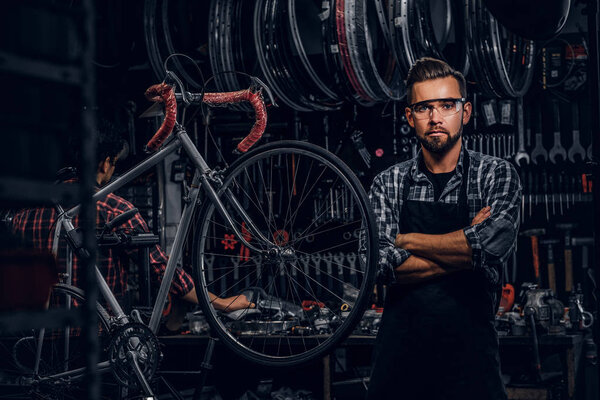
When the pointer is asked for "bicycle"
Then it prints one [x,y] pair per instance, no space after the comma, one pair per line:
[289,204]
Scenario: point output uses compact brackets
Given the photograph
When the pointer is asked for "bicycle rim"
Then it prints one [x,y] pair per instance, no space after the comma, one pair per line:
[59,350]
[306,215]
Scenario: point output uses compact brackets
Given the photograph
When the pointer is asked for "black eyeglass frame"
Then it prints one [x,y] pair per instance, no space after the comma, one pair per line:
[462,100]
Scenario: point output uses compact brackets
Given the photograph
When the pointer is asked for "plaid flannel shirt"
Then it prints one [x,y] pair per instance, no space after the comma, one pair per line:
[36,227]
[492,182]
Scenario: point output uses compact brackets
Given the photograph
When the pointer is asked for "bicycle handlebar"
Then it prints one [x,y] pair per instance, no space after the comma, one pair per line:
[164,93]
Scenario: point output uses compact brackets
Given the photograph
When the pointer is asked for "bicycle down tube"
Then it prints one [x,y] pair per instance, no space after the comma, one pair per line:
[181,139]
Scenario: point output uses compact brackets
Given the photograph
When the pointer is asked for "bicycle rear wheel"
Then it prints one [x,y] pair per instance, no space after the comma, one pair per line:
[35,355]
[311,271]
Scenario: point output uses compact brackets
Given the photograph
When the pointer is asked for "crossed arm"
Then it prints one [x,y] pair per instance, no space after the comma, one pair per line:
[435,255]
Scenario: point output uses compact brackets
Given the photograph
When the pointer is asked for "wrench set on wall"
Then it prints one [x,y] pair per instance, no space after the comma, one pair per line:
[551,163]
[552,175]
[321,272]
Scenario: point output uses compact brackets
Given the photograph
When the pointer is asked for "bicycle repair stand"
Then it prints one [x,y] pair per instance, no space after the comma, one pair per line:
[205,367]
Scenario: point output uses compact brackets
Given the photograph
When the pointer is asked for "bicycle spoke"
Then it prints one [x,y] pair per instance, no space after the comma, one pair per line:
[279,204]
[315,233]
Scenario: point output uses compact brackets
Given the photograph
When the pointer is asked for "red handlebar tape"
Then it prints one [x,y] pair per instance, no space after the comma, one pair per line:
[164,93]
[260,112]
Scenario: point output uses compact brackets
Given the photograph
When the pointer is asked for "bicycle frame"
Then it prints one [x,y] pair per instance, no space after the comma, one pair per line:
[202,178]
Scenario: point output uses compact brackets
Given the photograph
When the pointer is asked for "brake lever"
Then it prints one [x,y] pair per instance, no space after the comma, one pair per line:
[257,83]
[184,94]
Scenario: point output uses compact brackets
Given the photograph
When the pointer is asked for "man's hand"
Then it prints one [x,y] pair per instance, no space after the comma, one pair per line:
[233,303]
[482,215]
[401,240]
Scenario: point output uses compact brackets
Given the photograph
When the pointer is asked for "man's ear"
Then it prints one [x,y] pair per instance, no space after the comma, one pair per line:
[409,117]
[468,109]
[104,165]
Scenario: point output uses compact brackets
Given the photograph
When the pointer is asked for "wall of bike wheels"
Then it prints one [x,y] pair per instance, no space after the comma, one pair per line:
[335,72]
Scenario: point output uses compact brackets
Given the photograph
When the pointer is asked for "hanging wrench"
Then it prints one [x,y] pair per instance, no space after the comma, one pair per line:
[316,258]
[257,259]
[305,261]
[222,265]
[557,149]
[236,272]
[521,157]
[538,150]
[480,142]
[294,275]
[328,258]
[247,275]
[576,148]
[208,263]
[351,257]
[282,280]
[339,260]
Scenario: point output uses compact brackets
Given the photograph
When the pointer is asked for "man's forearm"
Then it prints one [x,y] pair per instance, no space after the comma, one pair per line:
[450,249]
[417,269]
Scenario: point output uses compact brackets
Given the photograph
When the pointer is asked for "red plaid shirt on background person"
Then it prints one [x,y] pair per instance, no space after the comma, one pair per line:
[36,226]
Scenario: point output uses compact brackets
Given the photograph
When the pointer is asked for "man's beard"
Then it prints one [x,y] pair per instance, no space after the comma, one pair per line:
[437,146]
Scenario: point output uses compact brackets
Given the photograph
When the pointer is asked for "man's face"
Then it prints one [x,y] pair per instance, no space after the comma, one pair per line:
[111,169]
[438,133]
[106,170]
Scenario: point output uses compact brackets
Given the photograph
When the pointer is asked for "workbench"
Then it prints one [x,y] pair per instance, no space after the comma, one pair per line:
[326,377]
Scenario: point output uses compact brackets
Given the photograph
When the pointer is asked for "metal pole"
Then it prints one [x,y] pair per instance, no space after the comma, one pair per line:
[88,209]
[594,84]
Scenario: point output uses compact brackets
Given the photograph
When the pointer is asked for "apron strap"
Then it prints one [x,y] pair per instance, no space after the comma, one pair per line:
[462,196]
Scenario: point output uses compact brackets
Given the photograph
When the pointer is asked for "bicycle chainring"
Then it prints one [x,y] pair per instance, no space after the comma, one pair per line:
[139,339]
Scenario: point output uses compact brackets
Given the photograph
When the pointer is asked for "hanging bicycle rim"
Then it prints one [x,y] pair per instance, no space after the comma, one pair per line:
[358,47]
[422,28]
[282,62]
[230,45]
[503,63]
[176,27]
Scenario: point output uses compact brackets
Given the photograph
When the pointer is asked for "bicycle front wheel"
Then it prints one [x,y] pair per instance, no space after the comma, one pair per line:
[309,263]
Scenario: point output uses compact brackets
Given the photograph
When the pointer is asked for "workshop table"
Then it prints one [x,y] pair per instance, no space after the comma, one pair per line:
[568,346]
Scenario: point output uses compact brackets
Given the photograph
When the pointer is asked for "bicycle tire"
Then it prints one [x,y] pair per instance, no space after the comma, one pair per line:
[319,342]
[53,359]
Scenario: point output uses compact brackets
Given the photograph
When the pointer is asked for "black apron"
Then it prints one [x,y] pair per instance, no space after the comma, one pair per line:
[437,338]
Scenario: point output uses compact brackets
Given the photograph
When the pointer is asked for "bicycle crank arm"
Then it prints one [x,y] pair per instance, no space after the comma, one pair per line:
[132,357]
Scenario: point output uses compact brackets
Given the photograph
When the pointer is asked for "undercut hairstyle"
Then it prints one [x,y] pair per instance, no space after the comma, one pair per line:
[428,68]
[109,141]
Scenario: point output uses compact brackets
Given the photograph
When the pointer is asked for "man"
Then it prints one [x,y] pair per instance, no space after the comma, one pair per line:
[37,225]
[447,219]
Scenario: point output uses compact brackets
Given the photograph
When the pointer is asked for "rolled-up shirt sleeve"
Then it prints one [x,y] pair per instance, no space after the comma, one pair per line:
[493,240]
[387,213]
[182,282]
